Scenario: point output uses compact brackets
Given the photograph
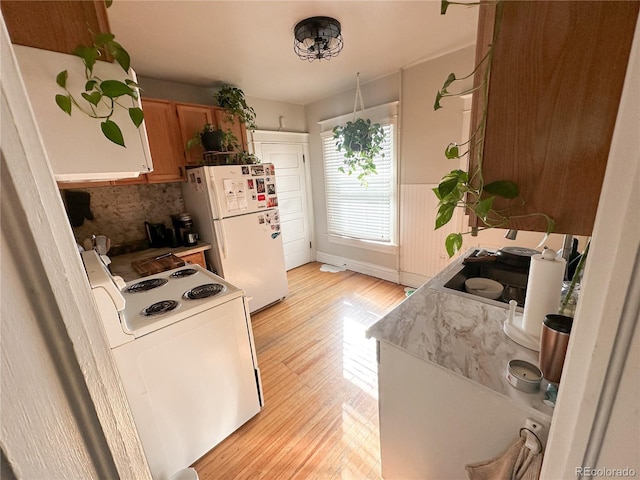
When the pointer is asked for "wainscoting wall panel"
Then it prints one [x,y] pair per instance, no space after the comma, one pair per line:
[422,251]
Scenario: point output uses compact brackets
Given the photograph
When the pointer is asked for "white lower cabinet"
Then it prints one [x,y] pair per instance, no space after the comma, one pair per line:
[433,422]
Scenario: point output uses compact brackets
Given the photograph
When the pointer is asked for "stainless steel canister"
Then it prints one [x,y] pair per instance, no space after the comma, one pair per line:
[553,345]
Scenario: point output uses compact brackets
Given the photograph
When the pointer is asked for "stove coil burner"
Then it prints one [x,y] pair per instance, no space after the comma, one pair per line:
[204,291]
[146,285]
[159,308]
[183,273]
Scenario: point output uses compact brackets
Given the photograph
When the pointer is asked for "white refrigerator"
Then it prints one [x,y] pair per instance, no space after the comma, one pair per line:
[234,208]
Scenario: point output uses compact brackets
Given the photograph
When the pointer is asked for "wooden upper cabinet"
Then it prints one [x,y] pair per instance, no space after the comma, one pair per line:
[556,80]
[227,122]
[54,25]
[192,117]
[165,141]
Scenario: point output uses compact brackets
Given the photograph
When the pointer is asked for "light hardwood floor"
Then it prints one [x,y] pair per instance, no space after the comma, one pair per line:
[319,375]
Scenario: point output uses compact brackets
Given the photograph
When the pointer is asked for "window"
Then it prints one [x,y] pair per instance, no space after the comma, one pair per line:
[356,215]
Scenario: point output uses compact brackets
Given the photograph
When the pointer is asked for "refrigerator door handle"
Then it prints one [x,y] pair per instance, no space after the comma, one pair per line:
[216,198]
[223,240]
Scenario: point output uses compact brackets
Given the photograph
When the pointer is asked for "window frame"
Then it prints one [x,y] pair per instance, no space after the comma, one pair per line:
[383,114]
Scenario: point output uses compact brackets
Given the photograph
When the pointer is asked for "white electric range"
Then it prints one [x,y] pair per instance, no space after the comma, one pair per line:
[183,345]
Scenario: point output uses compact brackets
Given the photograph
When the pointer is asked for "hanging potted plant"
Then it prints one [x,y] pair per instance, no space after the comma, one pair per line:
[232,99]
[361,140]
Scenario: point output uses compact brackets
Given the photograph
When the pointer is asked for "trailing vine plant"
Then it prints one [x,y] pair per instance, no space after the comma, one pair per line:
[467,190]
[101,97]
[232,99]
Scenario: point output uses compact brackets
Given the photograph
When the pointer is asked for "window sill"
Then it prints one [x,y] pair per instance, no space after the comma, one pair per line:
[366,244]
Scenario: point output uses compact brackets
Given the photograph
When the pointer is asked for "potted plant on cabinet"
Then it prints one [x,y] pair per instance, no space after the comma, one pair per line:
[232,99]
[209,137]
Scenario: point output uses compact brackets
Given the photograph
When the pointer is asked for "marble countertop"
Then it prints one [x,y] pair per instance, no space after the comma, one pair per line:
[121,264]
[460,334]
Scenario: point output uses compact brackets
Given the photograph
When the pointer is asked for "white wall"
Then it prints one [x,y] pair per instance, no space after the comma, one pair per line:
[425,132]
[64,413]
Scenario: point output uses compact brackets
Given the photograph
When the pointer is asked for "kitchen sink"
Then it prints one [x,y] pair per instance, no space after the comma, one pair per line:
[514,279]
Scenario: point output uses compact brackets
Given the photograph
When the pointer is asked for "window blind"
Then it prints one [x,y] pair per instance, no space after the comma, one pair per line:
[354,211]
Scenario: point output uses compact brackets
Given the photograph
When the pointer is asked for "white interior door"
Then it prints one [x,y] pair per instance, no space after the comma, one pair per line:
[289,162]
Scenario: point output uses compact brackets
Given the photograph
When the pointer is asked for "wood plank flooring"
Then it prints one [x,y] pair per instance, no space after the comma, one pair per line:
[319,375]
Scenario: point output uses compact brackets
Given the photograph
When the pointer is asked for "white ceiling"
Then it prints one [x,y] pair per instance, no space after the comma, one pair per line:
[249,44]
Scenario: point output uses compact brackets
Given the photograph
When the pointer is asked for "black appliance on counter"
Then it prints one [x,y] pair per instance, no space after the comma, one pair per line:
[157,234]
[183,225]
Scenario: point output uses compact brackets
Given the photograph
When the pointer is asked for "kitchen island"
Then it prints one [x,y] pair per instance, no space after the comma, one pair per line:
[444,397]
[121,264]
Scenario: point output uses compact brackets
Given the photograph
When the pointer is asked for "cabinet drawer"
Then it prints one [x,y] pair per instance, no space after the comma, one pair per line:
[195,258]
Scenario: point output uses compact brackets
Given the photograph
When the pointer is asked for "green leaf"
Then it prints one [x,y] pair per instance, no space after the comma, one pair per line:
[447,186]
[445,212]
[131,83]
[444,4]
[453,243]
[436,104]
[452,151]
[108,3]
[483,207]
[111,130]
[123,59]
[460,175]
[103,38]
[61,78]
[502,188]
[89,55]
[450,79]
[64,102]
[136,116]
[94,98]
[114,88]
[90,85]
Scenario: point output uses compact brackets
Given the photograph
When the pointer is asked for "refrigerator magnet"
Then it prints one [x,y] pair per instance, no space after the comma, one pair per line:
[262,198]
[271,188]
[250,184]
[260,185]
[257,170]
[245,170]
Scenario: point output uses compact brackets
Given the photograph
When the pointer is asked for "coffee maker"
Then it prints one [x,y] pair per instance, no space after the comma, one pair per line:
[183,225]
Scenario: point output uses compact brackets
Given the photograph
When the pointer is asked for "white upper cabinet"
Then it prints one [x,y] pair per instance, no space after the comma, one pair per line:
[76,148]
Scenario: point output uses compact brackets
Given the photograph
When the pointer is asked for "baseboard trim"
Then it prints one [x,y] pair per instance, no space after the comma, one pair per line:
[413,279]
[360,267]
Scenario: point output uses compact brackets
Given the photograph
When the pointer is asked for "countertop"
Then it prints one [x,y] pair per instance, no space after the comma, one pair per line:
[121,264]
[460,334]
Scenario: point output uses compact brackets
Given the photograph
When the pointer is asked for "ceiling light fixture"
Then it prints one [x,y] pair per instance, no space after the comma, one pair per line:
[317,38]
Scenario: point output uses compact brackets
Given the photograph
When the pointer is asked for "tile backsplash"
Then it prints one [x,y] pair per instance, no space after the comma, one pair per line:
[120,212]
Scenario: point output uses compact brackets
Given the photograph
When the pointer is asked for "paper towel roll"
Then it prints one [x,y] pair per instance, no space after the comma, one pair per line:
[543,290]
